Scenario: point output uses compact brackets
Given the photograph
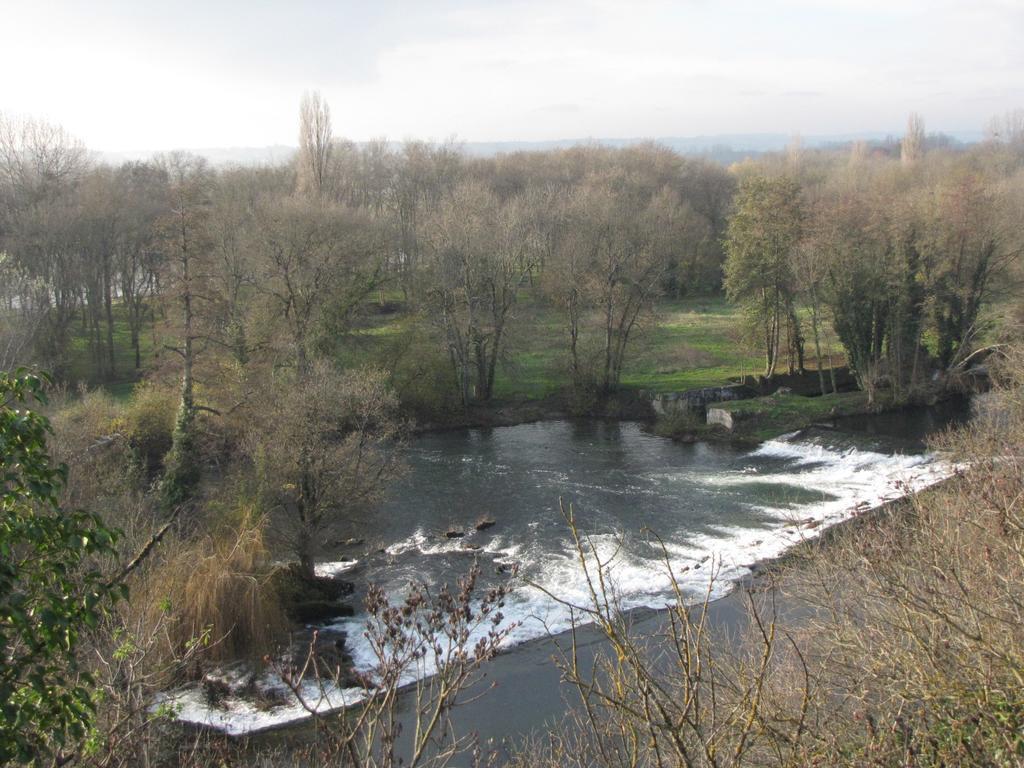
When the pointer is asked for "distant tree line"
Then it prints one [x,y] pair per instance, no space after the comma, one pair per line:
[896,246]
[286,253]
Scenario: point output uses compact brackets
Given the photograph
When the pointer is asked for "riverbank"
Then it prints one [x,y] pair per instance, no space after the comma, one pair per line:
[754,420]
[627,405]
[498,413]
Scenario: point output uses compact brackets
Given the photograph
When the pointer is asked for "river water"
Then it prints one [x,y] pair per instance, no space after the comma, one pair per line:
[645,503]
[706,511]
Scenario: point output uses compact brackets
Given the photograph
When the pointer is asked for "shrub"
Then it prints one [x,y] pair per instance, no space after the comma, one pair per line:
[86,427]
[680,423]
[218,589]
[326,446]
[148,423]
[81,419]
[49,593]
[422,377]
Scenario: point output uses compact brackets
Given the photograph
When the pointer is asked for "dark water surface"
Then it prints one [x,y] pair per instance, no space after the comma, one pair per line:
[716,510]
[647,504]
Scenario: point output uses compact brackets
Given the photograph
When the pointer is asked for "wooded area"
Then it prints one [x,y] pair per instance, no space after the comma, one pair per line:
[896,246]
[283,329]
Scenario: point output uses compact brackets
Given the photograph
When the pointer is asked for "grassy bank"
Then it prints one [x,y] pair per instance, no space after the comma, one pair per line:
[688,343]
[762,418]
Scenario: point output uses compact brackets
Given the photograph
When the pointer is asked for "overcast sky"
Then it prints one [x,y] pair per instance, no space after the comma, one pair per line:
[189,74]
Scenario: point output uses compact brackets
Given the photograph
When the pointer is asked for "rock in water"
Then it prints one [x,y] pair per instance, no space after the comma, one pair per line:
[316,611]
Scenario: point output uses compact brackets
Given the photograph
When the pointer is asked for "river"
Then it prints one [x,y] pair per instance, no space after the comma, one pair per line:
[709,509]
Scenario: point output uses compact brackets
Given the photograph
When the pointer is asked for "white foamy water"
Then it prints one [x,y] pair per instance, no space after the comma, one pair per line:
[718,515]
[856,480]
[239,714]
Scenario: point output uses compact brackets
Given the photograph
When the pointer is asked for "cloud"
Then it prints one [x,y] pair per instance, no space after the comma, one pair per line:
[137,74]
[562,109]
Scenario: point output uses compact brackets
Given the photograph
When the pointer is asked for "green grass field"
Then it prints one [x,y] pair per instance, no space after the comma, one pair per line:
[688,343]
[81,366]
[695,343]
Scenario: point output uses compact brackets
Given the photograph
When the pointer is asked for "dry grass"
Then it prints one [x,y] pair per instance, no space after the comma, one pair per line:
[217,589]
[918,621]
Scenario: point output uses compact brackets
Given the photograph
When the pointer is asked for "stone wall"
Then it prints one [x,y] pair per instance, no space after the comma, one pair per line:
[697,400]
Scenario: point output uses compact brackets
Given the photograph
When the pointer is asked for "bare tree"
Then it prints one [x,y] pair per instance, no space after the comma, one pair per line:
[912,143]
[1007,128]
[38,159]
[103,202]
[483,250]
[232,268]
[443,636]
[763,233]
[426,175]
[966,247]
[138,250]
[810,270]
[314,257]
[40,169]
[613,247]
[314,143]
[684,696]
[19,323]
[326,446]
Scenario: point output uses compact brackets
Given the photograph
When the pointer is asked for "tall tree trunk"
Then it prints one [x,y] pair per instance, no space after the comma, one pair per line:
[606,378]
[304,542]
[917,356]
[480,358]
[790,345]
[108,306]
[831,369]
[817,340]
[136,346]
[182,467]
[574,333]
[465,378]
[774,341]
[798,340]
[301,358]
[767,320]
[493,357]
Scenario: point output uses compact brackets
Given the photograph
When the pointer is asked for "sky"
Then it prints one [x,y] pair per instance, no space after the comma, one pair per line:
[133,74]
